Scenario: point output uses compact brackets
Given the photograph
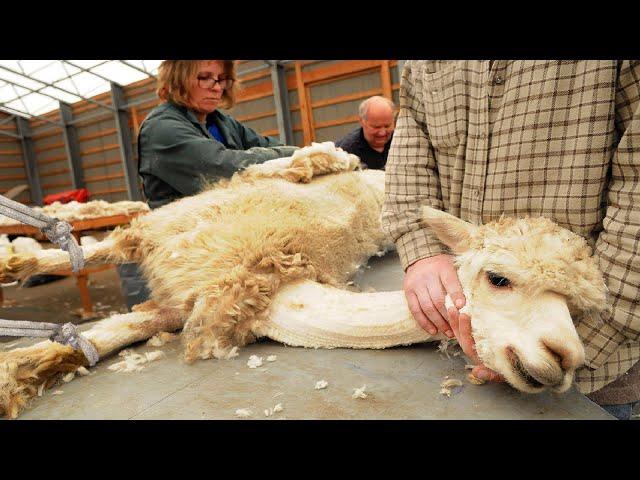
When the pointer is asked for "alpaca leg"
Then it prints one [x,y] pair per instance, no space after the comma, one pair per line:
[219,322]
[225,317]
[23,370]
[20,266]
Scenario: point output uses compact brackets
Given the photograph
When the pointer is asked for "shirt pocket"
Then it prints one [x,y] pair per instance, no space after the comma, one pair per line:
[445,104]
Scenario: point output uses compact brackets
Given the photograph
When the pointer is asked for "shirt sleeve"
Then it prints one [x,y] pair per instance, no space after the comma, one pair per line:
[251,138]
[617,248]
[182,158]
[411,177]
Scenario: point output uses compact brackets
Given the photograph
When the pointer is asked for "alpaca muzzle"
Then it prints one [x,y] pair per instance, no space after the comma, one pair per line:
[533,374]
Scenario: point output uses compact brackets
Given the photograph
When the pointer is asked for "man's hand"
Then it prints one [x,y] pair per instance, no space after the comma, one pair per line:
[426,283]
[461,325]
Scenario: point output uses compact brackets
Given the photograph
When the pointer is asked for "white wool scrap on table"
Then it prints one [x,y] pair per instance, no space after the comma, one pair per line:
[321,384]
[155,341]
[446,345]
[451,382]
[68,377]
[359,392]
[41,389]
[133,362]
[161,338]
[272,358]
[155,355]
[270,411]
[233,353]
[254,361]
[243,413]
[82,371]
[57,392]
[448,384]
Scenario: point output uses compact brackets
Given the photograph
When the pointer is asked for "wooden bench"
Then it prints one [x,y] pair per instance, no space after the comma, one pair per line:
[79,226]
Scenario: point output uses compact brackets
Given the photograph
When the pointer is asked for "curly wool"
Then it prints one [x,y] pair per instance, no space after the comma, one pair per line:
[538,255]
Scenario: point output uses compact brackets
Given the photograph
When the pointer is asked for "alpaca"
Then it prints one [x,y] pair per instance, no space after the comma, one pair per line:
[269,254]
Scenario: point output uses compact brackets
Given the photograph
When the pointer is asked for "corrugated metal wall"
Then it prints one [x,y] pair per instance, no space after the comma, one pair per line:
[12,170]
[323,108]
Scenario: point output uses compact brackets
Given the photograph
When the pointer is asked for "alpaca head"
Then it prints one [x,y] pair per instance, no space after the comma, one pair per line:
[526,281]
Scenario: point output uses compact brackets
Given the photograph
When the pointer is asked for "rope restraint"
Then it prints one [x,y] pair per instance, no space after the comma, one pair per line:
[57,231]
[66,334]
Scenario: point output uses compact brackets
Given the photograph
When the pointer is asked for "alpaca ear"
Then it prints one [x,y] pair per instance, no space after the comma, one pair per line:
[453,232]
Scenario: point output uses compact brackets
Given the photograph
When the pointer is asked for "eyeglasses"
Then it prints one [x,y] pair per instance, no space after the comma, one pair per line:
[210,82]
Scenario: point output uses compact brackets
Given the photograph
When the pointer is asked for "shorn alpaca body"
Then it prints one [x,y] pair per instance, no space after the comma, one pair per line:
[269,253]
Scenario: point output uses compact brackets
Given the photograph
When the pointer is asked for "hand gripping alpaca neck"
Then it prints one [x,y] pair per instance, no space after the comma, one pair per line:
[309,314]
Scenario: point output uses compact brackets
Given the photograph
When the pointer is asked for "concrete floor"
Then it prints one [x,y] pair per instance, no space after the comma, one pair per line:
[401,383]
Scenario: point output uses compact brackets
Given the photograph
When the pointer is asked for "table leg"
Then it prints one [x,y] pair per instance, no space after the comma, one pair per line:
[87,307]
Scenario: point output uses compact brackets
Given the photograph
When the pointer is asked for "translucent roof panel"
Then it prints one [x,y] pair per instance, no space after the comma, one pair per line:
[34,87]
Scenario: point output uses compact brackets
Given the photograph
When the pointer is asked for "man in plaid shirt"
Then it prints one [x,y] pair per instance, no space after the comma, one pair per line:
[559,139]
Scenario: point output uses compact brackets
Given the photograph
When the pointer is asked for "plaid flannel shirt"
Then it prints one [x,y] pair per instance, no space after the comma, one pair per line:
[559,139]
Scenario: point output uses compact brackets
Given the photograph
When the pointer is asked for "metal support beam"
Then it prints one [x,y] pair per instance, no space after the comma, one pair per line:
[71,146]
[256,68]
[131,65]
[140,101]
[98,113]
[124,138]
[281,100]
[30,115]
[51,85]
[90,72]
[8,119]
[30,163]
[10,134]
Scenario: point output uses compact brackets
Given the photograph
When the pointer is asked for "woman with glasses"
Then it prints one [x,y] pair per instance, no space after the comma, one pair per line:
[187,139]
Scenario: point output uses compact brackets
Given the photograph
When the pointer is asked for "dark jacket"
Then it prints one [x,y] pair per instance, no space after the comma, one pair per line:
[176,152]
[354,142]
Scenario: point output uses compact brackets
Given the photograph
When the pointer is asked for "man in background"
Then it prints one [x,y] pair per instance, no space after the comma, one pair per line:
[371,141]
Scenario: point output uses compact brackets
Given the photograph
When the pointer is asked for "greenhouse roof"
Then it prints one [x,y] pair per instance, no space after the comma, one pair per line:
[33,87]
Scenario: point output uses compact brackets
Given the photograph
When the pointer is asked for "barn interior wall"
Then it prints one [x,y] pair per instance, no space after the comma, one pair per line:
[323,108]
[12,170]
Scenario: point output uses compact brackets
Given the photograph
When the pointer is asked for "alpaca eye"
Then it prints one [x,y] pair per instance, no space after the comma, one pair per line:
[497,280]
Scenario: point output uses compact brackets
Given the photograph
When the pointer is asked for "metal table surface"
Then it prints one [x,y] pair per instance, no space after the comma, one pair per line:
[401,383]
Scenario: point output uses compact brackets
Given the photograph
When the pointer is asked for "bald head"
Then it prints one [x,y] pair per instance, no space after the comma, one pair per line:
[376,105]
[377,118]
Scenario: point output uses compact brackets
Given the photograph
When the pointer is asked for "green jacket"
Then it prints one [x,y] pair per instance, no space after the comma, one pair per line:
[176,152]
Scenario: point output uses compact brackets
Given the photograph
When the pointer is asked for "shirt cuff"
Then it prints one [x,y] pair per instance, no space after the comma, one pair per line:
[416,245]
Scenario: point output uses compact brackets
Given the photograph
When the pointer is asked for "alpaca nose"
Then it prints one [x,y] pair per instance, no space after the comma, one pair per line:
[569,355]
